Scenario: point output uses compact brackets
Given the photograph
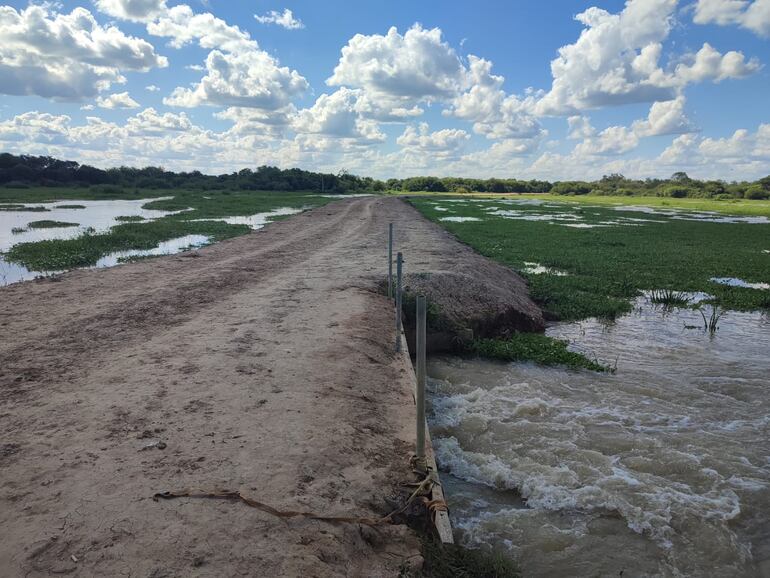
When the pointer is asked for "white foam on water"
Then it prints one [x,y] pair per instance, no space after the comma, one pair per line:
[538,269]
[735,282]
[667,461]
[459,219]
[582,225]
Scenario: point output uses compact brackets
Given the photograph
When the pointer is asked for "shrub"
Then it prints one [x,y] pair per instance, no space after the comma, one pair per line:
[756,192]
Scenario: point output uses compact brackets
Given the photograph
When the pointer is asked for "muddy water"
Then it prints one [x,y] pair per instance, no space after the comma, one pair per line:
[662,469]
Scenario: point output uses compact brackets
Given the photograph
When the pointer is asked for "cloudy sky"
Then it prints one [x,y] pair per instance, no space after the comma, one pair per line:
[529,89]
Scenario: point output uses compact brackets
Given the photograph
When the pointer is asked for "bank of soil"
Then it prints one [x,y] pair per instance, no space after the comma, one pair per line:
[263,364]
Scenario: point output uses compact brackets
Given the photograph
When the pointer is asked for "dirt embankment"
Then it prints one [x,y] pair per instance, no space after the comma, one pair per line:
[263,364]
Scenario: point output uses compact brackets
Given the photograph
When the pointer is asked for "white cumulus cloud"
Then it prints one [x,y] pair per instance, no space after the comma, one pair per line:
[666,117]
[614,140]
[284,19]
[709,64]
[337,115]
[401,70]
[754,15]
[66,56]
[616,60]
[493,113]
[251,78]
[444,142]
[117,100]
[136,10]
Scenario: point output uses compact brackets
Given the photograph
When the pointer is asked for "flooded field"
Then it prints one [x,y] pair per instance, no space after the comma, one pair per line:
[662,469]
[71,219]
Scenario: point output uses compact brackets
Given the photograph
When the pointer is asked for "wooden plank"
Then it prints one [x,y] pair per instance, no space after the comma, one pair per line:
[441,519]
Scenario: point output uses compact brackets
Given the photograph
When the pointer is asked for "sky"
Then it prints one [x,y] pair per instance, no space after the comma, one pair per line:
[556,90]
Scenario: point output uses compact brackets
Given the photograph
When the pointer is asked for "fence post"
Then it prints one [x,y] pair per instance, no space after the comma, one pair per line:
[420,397]
[399,267]
[390,260]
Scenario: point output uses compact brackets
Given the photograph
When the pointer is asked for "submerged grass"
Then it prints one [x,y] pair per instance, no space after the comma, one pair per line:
[537,348]
[199,208]
[711,322]
[70,206]
[47,224]
[669,298]
[455,561]
[23,208]
[87,249]
[726,206]
[613,263]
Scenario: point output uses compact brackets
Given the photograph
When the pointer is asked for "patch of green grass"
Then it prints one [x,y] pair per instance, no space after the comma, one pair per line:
[87,249]
[95,193]
[70,206]
[47,224]
[726,206]
[609,265]
[129,219]
[534,347]
[14,207]
[455,561]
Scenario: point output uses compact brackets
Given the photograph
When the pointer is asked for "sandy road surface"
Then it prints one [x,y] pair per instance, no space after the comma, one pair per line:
[263,363]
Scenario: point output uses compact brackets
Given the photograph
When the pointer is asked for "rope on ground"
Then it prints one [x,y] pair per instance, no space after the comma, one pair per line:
[422,489]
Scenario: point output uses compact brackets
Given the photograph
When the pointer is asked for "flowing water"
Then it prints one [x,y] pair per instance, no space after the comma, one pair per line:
[662,469]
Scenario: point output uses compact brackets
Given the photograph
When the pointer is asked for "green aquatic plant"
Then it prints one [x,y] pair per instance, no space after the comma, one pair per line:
[455,561]
[23,208]
[610,266]
[537,348]
[86,249]
[129,219]
[669,298]
[199,209]
[711,322]
[47,224]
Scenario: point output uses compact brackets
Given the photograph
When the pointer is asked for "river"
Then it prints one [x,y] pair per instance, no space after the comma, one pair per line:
[661,469]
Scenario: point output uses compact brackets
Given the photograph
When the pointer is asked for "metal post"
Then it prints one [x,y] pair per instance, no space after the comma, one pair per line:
[399,266]
[420,338]
[390,260]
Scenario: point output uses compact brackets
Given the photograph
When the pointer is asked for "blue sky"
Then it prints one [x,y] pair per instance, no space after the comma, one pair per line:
[554,90]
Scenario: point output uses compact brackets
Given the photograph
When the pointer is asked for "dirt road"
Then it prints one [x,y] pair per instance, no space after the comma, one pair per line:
[262,364]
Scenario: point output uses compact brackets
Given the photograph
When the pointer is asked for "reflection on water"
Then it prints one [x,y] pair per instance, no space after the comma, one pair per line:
[660,469]
[99,217]
[13,272]
[259,220]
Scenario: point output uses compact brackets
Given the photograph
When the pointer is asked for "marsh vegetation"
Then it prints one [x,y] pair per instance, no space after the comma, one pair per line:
[132,228]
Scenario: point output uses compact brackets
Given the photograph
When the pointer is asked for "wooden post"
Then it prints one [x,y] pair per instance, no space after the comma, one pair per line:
[390,260]
[420,397]
[399,267]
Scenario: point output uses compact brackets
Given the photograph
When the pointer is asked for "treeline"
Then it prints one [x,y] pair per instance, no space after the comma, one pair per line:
[460,185]
[678,186]
[24,171]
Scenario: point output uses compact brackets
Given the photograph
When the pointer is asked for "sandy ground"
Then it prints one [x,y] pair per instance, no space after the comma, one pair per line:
[264,364]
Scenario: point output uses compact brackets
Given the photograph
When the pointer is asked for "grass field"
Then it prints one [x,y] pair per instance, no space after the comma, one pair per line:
[586,260]
[199,209]
[730,207]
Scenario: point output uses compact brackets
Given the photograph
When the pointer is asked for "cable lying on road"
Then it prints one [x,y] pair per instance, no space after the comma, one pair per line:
[423,489]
